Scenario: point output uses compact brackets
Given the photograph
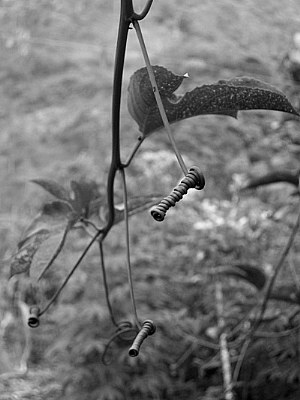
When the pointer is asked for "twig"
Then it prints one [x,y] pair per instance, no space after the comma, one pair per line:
[158,97]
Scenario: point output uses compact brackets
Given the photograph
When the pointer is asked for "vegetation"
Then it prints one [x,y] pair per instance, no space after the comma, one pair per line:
[219,277]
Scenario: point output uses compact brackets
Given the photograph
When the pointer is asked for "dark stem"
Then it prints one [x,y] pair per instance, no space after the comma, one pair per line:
[124,22]
[127,16]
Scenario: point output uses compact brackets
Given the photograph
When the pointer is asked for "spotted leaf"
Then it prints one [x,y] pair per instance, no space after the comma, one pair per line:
[22,260]
[51,221]
[225,97]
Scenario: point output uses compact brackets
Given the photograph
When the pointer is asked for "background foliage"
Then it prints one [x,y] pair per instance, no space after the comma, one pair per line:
[56,73]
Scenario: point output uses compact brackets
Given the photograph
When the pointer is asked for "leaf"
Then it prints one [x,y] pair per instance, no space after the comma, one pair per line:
[223,97]
[85,194]
[250,273]
[53,188]
[53,217]
[23,258]
[273,177]
[50,221]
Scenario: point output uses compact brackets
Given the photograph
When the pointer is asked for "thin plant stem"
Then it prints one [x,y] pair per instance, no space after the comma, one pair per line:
[114,337]
[276,272]
[134,151]
[105,284]
[66,280]
[158,97]
[128,258]
[57,251]
[91,223]
[240,361]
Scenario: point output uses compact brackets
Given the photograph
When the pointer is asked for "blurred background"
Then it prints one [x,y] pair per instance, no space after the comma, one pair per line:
[56,70]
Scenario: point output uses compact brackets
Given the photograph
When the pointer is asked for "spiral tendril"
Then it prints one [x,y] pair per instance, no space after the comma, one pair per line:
[193,179]
[148,328]
[33,319]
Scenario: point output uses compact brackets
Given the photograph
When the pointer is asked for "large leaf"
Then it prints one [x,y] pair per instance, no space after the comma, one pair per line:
[273,177]
[250,273]
[52,220]
[225,97]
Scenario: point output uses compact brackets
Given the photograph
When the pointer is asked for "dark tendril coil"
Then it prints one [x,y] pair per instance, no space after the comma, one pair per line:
[33,319]
[193,179]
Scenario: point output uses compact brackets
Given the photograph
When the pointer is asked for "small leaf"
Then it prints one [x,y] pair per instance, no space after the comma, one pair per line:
[250,273]
[53,188]
[273,177]
[85,196]
[223,97]
[53,217]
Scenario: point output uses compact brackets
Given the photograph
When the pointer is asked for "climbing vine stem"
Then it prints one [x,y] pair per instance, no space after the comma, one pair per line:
[128,258]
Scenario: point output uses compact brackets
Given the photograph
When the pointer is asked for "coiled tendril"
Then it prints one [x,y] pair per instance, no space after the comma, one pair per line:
[193,179]
[148,328]
[33,319]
